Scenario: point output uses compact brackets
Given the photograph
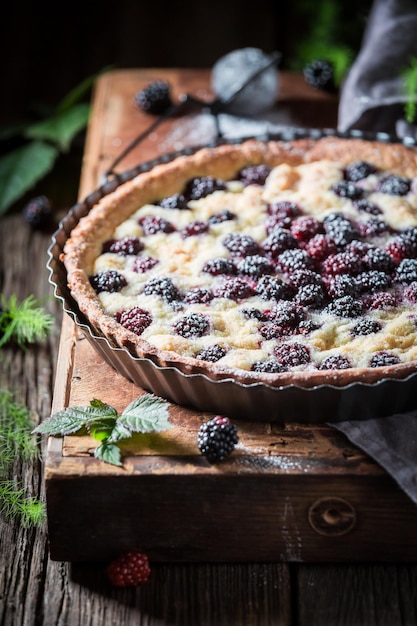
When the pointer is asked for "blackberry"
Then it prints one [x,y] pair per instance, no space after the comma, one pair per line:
[254,174]
[273,331]
[155,98]
[198,295]
[320,247]
[381,300]
[278,241]
[292,354]
[234,289]
[394,185]
[153,224]
[220,266]
[358,171]
[143,264]
[346,189]
[176,201]
[124,247]
[110,280]
[406,271]
[342,263]
[197,227]
[335,362]
[373,227]
[307,326]
[37,212]
[268,367]
[398,249]
[285,210]
[163,287]
[382,358]
[135,319]
[365,206]
[346,306]
[217,439]
[201,187]
[359,248]
[192,325]
[410,293]
[222,216]
[300,278]
[212,353]
[340,229]
[378,259]
[373,281]
[287,314]
[273,288]
[319,74]
[366,326]
[312,296]
[343,285]
[296,259]
[410,236]
[130,569]
[305,227]
[241,245]
[254,314]
[255,266]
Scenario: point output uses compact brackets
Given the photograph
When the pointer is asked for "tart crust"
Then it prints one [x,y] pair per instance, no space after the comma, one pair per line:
[85,243]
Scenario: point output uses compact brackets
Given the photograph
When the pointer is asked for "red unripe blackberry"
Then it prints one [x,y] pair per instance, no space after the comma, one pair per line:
[129,570]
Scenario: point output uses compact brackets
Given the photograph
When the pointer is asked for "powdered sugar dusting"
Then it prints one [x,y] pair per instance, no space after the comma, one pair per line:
[259,459]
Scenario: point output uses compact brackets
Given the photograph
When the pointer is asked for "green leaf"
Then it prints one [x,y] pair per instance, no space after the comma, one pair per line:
[62,128]
[22,168]
[146,414]
[101,429]
[75,417]
[119,432]
[109,453]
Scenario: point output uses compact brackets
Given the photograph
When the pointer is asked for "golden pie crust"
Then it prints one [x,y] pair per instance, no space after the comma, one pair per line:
[84,246]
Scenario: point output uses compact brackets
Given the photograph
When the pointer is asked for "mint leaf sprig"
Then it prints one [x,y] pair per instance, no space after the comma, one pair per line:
[146,414]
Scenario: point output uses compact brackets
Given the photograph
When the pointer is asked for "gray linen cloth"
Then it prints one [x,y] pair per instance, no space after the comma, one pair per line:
[372,99]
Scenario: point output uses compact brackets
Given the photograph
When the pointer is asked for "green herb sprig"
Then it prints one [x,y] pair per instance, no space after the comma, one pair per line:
[23,322]
[146,414]
[409,77]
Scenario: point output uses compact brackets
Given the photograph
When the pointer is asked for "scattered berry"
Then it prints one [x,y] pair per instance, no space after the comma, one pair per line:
[135,320]
[143,264]
[381,300]
[319,74]
[410,293]
[398,249]
[255,266]
[312,296]
[254,174]
[296,259]
[335,362]
[176,201]
[163,287]
[222,216]
[343,285]
[292,354]
[37,212]
[129,569]
[153,224]
[212,353]
[273,288]
[346,306]
[320,247]
[287,314]
[155,98]
[198,295]
[268,367]
[234,289]
[358,171]
[254,314]
[394,185]
[125,246]
[366,326]
[342,263]
[278,241]
[110,281]
[241,245]
[305,227]
[373,227]
[220,266]
[196,227]
[383,357]
[192,325]
[406,271]
[217,439]
[340,229]
[346,189]
[378,259]
[365,206]
[285,210]
[197,188]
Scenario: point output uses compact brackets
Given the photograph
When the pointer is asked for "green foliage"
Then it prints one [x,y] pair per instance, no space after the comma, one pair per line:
[409,77]
[16,442]
[23,322]
[144,415]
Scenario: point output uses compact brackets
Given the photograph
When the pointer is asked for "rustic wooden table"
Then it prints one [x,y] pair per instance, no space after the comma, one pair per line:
[38,591]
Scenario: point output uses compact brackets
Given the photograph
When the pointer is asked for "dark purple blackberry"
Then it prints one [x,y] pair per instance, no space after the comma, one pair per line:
[254,174]
[211,353]
[198,295]
[406,271]
[300,278]
[287,314]
[381,300]
[254,314]
[410,293]
[305,327]
[378,259]
[305,227]
[155,98]
[373,227]
[398,249]
[342,263]
[192,325]
[135,320]
[201,187]
[292,354]
[296,259]
[366,326]
[335,362]
[176,201]
[125,246]
[197,227]
[394,185]
[365,206]
[278,241]
[346,306]
[220,266]
[285,210]
[346,189]
[254,266]
[343,285]
[217,439]
[359,248]
[37,212]
[143,264]
[110,280]
[410,236]
[153,224]
[358,171]
[383,358]
[320,247]
[163,287]
[272,288]
[273,331]
[268,367]
[340,229]
[222,216]
[241,245]
[319,74]
[234,289]
[312,296]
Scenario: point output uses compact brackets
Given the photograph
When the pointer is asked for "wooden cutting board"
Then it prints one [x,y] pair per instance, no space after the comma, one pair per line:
[289,492]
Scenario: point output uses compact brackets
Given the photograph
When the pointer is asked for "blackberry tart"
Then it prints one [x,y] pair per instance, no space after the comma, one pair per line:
[285,263]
